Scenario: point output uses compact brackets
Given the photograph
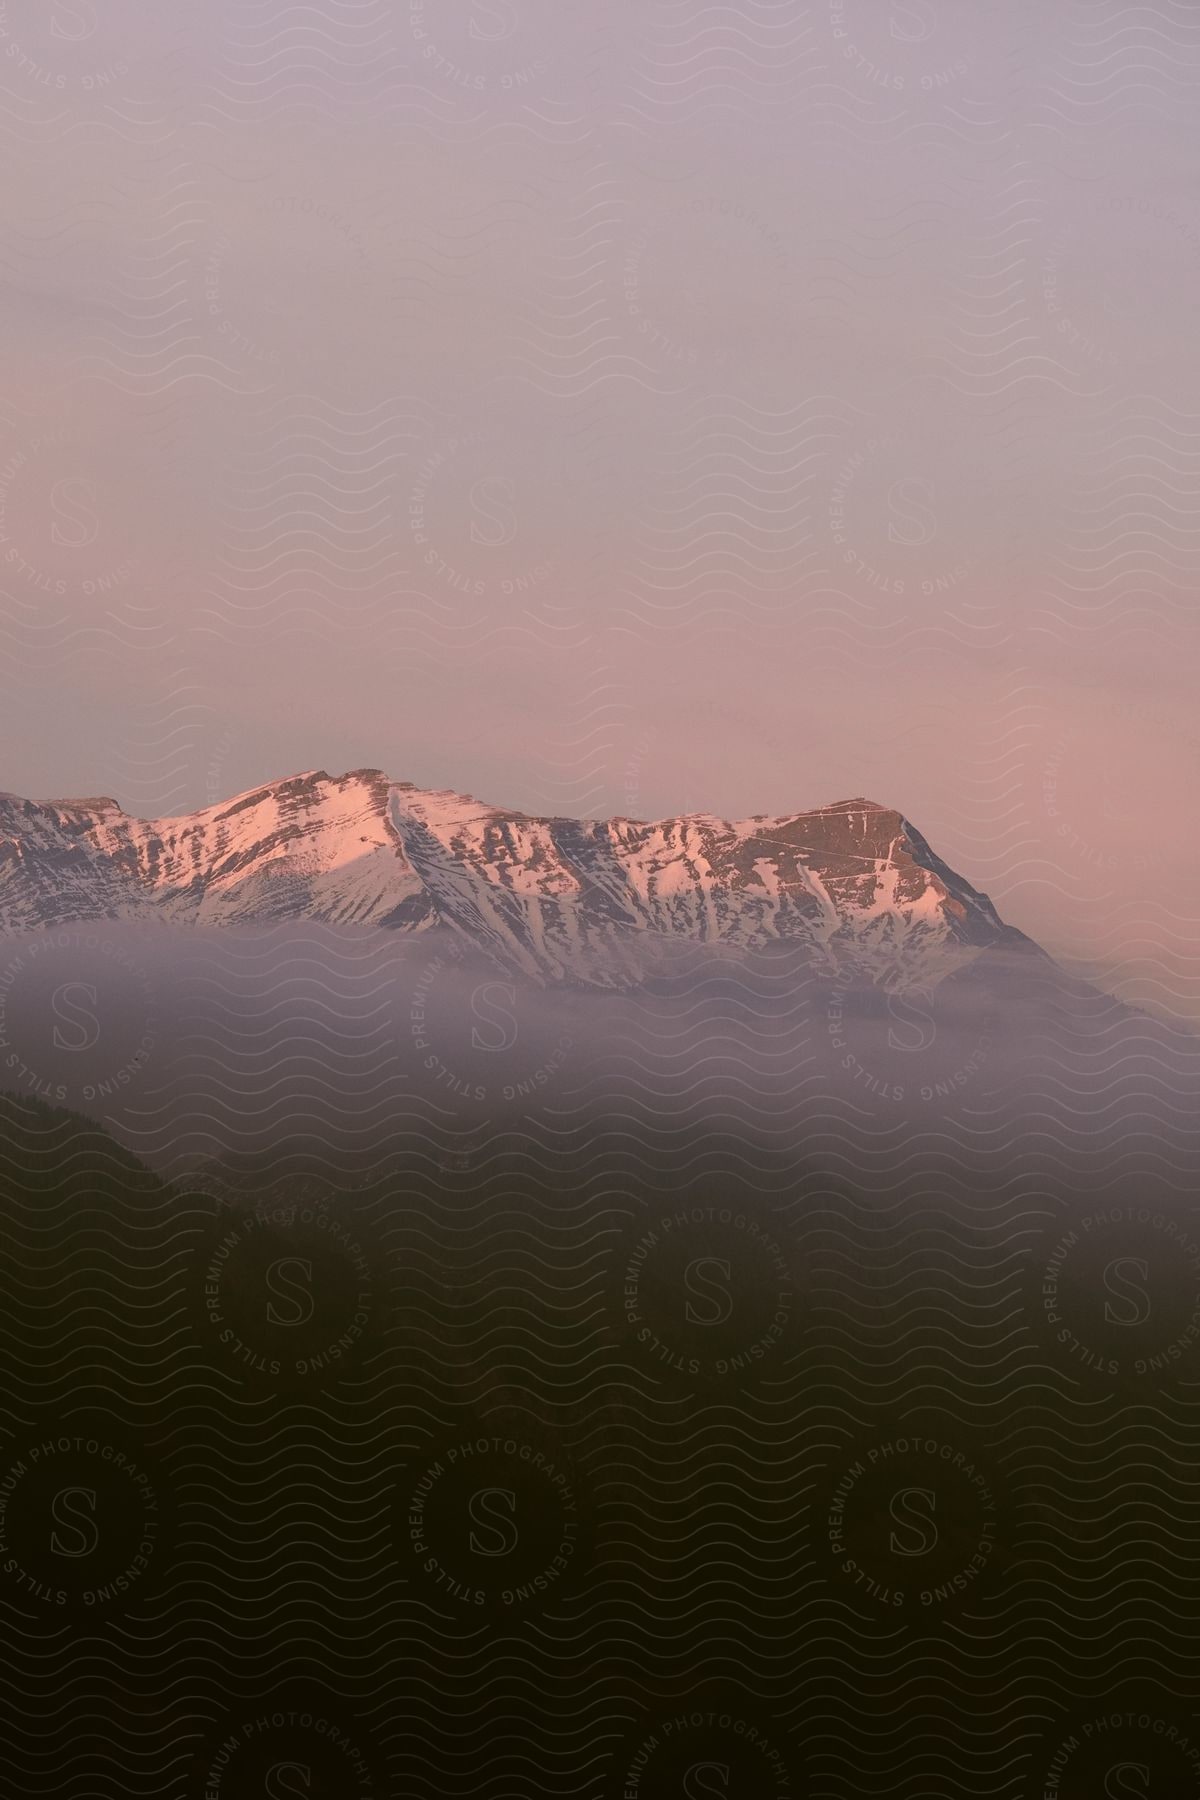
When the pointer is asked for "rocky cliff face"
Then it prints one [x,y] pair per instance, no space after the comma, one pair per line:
[854,884]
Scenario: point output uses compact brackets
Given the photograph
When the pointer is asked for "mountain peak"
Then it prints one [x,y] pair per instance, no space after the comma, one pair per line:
[858,804]
[94,803]
[852,884]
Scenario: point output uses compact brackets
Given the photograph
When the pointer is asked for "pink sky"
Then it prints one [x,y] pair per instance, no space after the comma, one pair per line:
[620,409]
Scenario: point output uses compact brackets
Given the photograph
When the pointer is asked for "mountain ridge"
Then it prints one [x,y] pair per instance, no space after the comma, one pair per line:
[853,881]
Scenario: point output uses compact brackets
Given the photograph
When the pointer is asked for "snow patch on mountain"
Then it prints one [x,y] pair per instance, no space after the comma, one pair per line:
[853,884]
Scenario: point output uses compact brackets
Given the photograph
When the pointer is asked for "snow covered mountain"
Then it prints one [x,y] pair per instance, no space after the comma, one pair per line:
[854,884]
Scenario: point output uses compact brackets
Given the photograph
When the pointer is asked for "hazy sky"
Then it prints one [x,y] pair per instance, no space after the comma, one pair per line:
[620,407]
